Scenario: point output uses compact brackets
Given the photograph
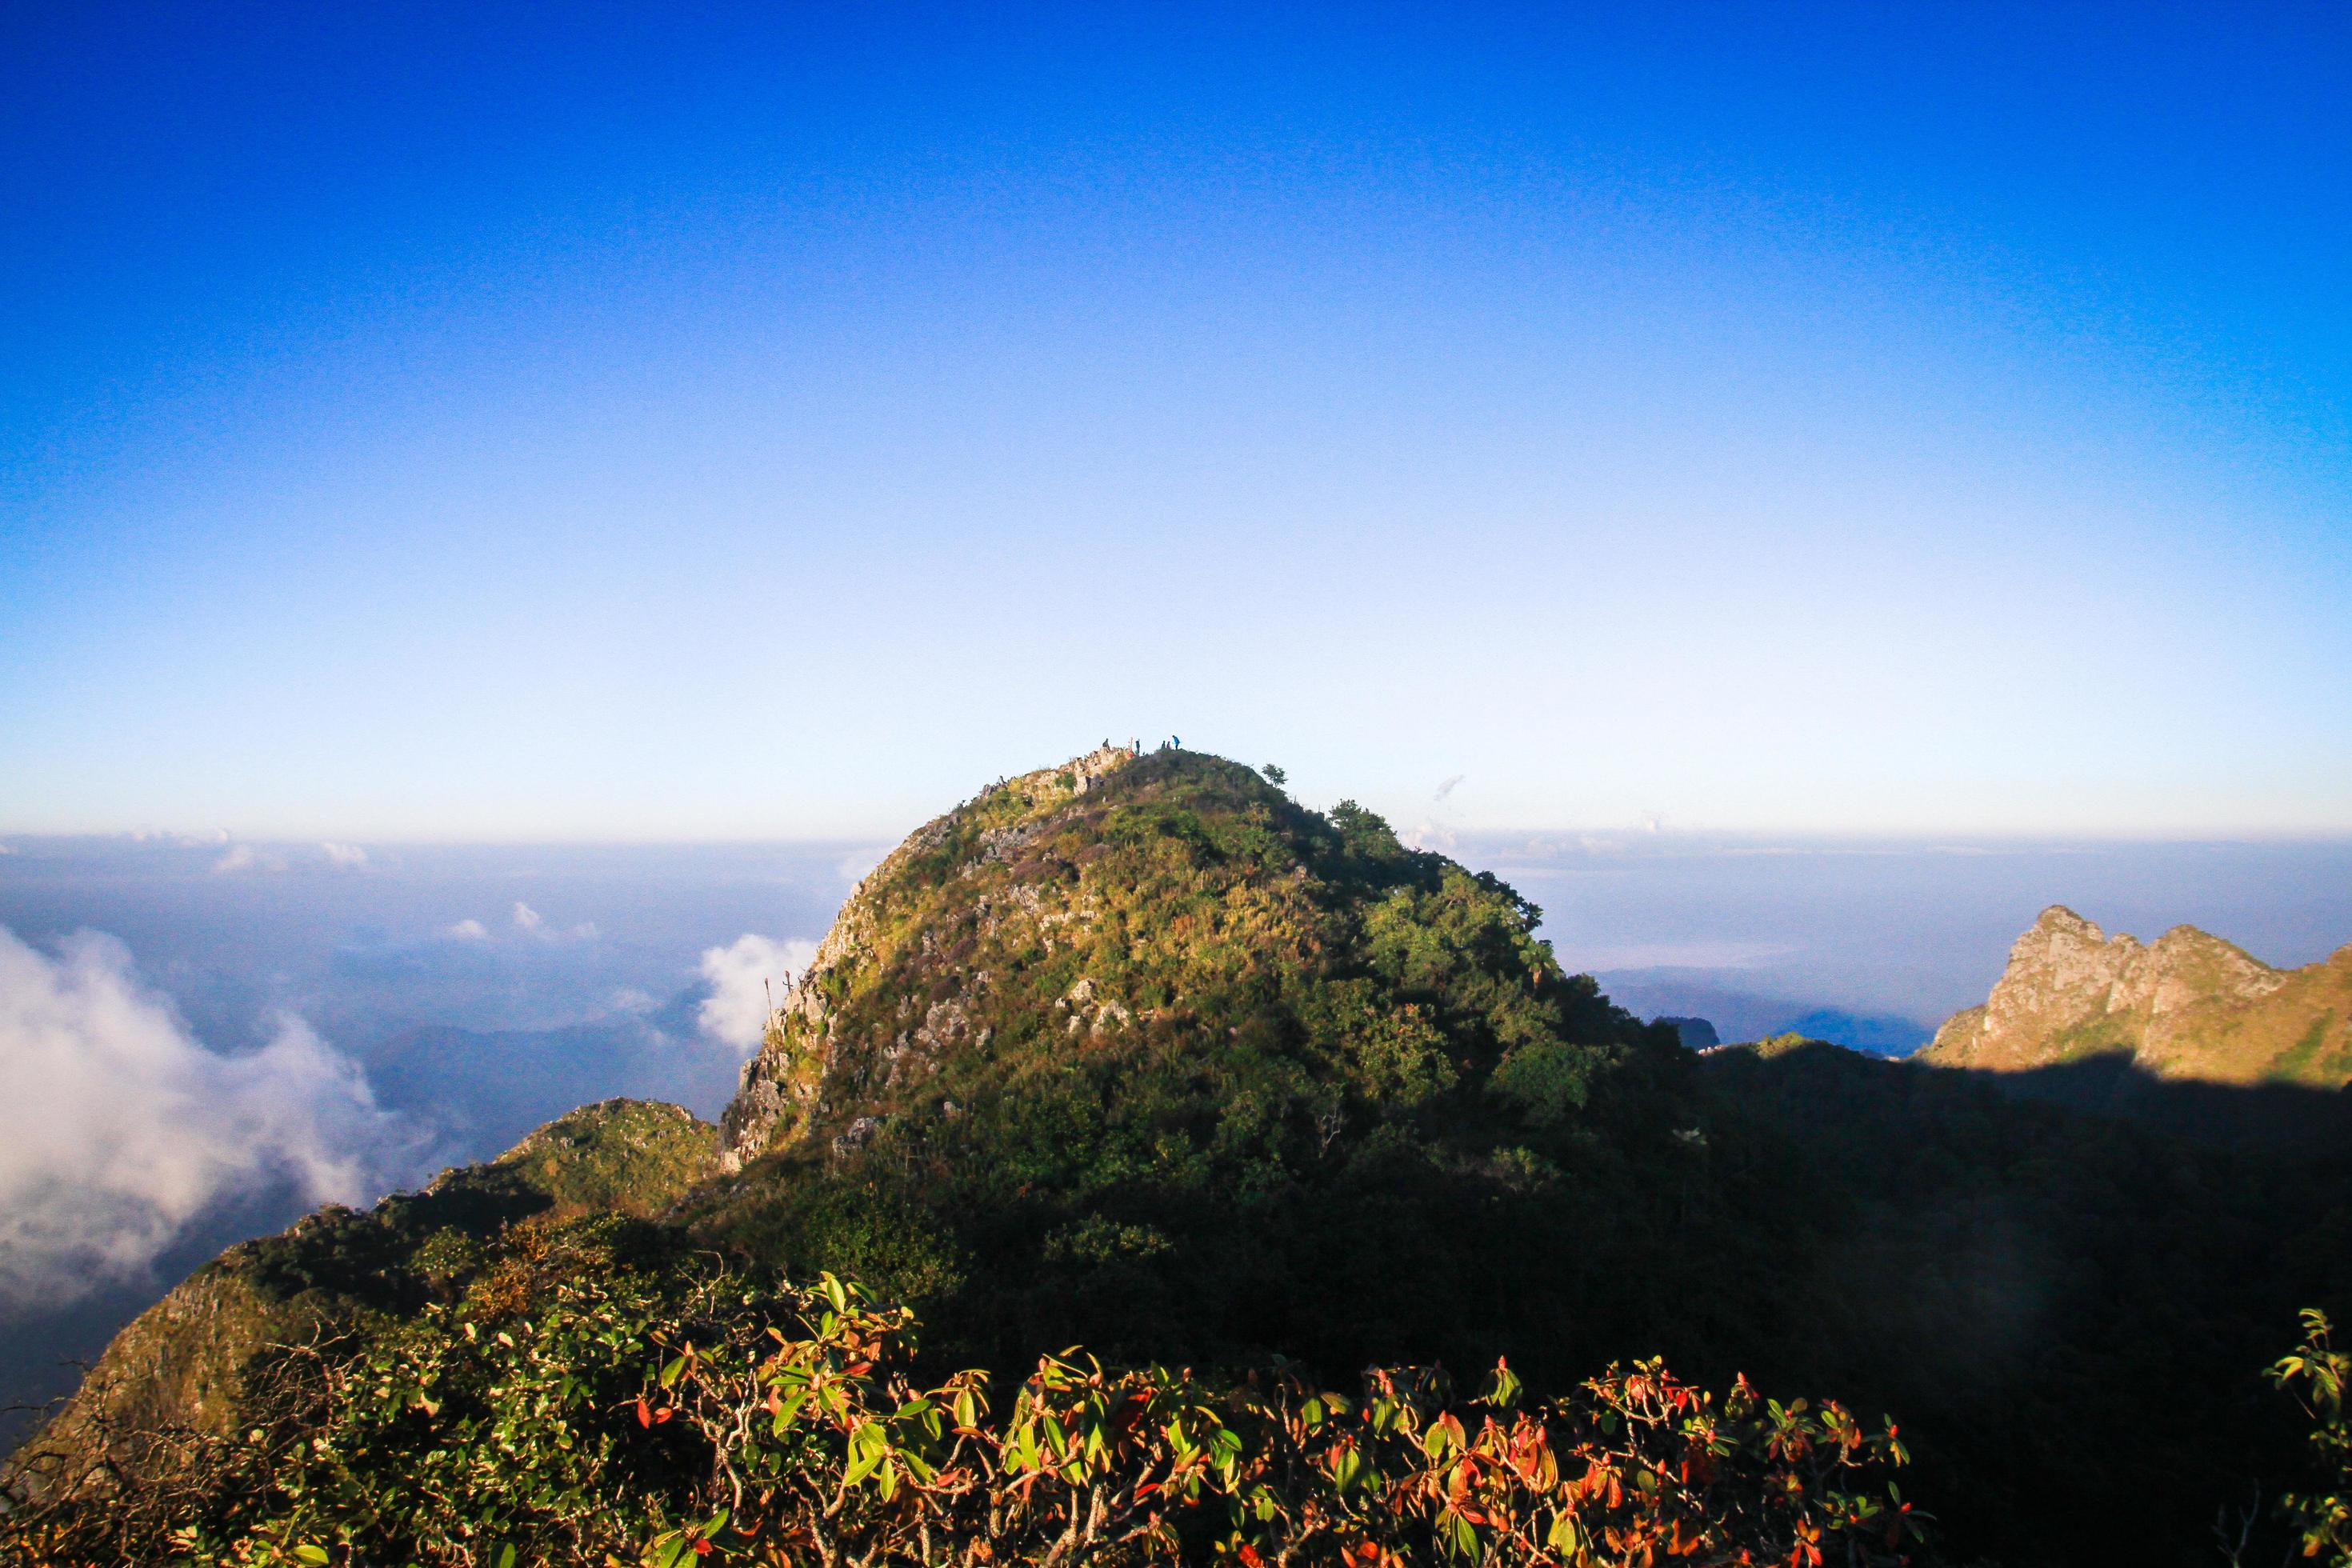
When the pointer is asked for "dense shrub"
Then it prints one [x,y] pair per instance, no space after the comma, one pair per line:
[2316,1372]
[576,1405]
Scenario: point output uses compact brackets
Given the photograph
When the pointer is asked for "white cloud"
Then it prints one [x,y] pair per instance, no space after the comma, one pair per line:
[736,1011]
[123,1128]
[344,857]
[468,930]
[245,857]
[532,922]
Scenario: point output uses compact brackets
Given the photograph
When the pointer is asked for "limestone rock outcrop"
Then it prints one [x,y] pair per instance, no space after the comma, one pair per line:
[785,1086]
[2188,1005]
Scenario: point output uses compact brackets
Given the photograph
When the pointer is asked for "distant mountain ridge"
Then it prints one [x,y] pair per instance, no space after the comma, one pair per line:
[2188,1007]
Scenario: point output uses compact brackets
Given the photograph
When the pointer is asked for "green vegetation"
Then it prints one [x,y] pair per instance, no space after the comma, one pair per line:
[1134,1066]
[2311,1060]
[2088,1040]
[592,1393]
[620,1156]
[2316,1372]
[1140,1055]
[338,1272]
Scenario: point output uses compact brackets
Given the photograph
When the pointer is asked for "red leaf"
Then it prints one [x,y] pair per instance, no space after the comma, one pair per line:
[664,1413]
[644,1417]
[1250,1558]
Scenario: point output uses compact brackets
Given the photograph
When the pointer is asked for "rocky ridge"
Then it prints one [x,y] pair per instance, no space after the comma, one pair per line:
[2189,1006]
[783,1085]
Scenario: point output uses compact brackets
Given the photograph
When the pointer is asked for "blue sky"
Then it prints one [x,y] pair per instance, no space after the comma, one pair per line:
[491,423]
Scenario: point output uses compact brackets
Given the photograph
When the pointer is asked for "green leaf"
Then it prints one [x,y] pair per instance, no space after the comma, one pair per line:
[1562,1537]
[306,1552]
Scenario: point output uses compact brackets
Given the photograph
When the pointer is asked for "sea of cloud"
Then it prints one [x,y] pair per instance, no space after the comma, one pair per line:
[124,1127]
[201,1037]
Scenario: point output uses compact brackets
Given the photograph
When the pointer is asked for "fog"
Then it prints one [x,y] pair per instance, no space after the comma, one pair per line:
[123,1128]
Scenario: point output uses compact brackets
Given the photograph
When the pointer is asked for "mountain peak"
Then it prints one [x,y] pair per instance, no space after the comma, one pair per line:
[2059,917]
[2190,1005]
[1167,905]
[1005,833]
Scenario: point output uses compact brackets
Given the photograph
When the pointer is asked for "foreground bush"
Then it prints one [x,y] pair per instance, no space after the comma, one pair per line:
[2315,1374]
[571,1408]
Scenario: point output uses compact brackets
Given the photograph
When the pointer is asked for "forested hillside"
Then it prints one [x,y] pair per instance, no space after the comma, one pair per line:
[1139,1055]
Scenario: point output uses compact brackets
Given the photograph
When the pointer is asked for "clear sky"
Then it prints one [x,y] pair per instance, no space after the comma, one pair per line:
[689,422]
